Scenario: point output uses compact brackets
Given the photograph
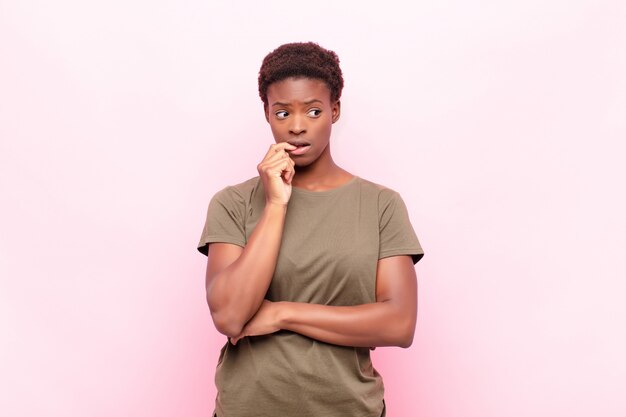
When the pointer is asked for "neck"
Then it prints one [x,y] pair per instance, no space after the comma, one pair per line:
[322,171]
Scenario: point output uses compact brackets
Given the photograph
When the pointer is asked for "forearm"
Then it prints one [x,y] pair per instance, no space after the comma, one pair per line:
[235,294]
[365,325]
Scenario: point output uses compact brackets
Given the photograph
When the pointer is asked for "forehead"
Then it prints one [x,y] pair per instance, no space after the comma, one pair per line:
[299,89]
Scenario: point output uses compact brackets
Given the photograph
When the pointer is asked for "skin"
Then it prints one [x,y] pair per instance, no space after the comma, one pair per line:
[238,278]
[293,114]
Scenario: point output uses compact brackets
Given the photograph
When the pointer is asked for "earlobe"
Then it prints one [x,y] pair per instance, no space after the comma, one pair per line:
[336,111]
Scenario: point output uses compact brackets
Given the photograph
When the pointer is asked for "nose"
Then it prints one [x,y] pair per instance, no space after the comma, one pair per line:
[298,125]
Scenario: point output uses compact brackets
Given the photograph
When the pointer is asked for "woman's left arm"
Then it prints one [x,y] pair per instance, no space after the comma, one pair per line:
[390,321]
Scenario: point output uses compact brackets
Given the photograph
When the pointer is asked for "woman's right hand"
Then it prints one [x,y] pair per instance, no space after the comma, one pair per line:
[276,171]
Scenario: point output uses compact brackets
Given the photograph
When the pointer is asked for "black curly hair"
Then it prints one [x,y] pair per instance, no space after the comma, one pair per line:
[301,59]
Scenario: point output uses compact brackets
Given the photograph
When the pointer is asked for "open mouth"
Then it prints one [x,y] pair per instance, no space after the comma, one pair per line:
[298,143]
[302,147]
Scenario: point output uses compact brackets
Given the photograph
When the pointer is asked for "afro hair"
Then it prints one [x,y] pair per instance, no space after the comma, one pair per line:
[308,60]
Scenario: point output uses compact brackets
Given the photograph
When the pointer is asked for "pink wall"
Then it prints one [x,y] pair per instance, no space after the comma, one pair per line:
[503,127]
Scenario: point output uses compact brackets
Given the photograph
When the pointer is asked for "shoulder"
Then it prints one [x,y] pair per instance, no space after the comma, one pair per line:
[239,192]
[383,194]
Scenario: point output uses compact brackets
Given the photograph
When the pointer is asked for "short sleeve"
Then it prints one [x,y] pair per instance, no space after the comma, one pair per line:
[397,236]
[224,220]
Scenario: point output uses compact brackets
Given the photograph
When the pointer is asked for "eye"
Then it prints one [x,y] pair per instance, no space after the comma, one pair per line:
[281,114]
[314,112]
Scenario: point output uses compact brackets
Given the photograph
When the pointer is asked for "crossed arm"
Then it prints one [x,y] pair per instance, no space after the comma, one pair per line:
[236,285]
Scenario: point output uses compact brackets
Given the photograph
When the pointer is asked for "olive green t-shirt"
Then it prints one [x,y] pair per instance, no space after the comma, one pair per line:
[330,246]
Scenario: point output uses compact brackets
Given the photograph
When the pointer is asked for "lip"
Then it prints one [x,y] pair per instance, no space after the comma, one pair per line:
[298,142]
[300,150]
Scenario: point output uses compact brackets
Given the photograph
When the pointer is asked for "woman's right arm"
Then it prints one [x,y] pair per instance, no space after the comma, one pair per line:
[237,278]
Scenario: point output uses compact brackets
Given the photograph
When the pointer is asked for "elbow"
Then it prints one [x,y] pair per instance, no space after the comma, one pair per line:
[226,325]
[406,341]
[224,321]
[400,336]
[405,334]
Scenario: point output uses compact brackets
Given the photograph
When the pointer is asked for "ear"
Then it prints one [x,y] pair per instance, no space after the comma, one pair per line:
[336,110]
[265,111]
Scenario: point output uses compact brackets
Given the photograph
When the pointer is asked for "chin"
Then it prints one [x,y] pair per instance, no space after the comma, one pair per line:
[301,163]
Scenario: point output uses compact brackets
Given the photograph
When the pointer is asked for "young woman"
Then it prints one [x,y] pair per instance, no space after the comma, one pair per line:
[309,266]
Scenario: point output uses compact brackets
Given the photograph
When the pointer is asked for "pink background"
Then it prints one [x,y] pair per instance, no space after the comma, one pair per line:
[502,126]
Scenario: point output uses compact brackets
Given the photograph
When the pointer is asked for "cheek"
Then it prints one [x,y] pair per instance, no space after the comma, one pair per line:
[275,129]
[325,129]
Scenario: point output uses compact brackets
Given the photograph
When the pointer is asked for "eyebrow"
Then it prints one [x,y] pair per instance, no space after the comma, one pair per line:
[280,103]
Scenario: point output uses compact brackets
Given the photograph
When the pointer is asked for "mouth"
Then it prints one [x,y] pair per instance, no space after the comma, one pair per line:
[302,147]
[298,143]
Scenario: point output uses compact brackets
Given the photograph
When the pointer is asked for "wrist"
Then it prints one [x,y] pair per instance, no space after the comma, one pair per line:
[283,312]
[274,206]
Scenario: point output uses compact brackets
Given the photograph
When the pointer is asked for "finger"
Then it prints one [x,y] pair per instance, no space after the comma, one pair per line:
[281,154]
[273,168]
[277,156]
[278,167]
[285,145]
[271,151]
[290,173]
[276,147]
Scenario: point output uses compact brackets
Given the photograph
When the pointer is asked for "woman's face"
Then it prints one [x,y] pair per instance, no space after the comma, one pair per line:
[299,111]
